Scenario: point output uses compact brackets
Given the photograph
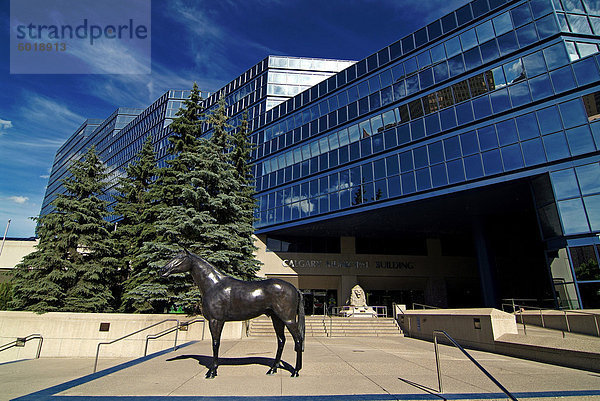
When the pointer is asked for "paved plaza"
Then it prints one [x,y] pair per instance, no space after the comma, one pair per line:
[344,368]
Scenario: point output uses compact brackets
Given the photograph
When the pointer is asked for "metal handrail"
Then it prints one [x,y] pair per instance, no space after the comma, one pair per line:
[457,345]
[173,329]
[129,335]
[380,310]
[521,308]
[423,306]
[23,340]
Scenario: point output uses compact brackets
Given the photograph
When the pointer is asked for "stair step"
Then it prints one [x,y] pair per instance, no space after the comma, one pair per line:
[319,326]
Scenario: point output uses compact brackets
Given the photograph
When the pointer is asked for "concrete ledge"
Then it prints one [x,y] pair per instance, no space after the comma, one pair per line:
[571,358]
[474,328]
[78,334]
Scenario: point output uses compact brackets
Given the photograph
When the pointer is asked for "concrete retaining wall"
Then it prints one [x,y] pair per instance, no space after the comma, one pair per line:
[78,334]
[474,328]
[578,322]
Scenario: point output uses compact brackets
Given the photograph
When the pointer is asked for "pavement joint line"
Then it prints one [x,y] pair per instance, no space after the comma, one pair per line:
[49,393]
[367,377]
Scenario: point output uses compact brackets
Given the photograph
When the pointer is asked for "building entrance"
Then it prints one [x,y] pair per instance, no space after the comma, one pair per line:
[318,302]
[389,297]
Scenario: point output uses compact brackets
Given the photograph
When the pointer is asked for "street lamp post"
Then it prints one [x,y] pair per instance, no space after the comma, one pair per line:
[4,238]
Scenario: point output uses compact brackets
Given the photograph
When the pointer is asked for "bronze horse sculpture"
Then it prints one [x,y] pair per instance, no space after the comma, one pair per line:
[225,299]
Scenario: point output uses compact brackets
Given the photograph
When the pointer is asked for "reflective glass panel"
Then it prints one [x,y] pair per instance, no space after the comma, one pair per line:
[440,72]
[556,56]
[473,167]
[492,162]
[521,14]
[512,157]
[527,126]
[556,146]
[580,140]
[549,120]
[592,206]
[533,152]
[487,138]
[526,35]
[469,144]
[423,179]
[468,39]
[502,24]
[579,24]
[456,171]
[453,46]
[514,71]
[519,94]
[438,175]
[562,79]
[438,53]
[406,161]
[482,107]
[572,113]
[452,148]
[500,100]
[573,216]
[507,43]
[589,178]
[489,51]
[564,184]
[456,65]
[546,26]
[540,87]
[485,31]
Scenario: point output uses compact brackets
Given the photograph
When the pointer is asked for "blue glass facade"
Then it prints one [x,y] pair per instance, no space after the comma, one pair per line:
[493,92]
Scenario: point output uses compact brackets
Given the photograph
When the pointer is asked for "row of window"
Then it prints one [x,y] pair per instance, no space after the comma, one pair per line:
[514,71]
[485,31]
[487,151]
[456,64]
[483,106]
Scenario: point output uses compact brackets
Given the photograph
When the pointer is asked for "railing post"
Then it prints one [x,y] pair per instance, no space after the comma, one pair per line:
[522,321]
[96,361]
[596,321]
[567,321]
[542,317]
[437,362]
[39,350]
[176,334]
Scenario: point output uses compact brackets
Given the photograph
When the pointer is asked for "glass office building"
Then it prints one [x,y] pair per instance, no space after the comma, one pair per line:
[475,136]
[458,166]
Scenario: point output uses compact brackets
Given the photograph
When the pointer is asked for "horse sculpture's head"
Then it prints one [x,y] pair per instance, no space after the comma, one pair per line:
[181,263]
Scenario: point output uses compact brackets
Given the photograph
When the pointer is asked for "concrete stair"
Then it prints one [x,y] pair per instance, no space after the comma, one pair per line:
[319,326]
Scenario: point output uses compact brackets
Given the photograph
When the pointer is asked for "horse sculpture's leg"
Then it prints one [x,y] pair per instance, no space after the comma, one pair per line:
[279,327]
[295,331]
[216,326]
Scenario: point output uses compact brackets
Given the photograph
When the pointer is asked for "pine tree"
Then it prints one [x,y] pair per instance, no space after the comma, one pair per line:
[169,190]
[42,279]
[240,158]
[73,267]
[143,290]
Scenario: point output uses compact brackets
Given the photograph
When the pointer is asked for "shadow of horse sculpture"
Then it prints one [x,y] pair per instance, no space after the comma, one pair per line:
[225,299]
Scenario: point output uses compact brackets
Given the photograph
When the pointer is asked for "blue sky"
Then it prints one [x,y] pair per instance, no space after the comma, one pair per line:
[207,41]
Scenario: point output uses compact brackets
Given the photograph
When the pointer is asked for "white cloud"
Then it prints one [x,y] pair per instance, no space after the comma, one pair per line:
[4,125]
[18,199]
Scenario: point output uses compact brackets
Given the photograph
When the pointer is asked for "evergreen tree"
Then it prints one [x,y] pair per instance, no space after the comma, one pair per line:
[42,278]
[143,290]
[169,190]
[73,267]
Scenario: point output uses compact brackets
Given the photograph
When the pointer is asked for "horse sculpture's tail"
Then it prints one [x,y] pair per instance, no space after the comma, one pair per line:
[301,325]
